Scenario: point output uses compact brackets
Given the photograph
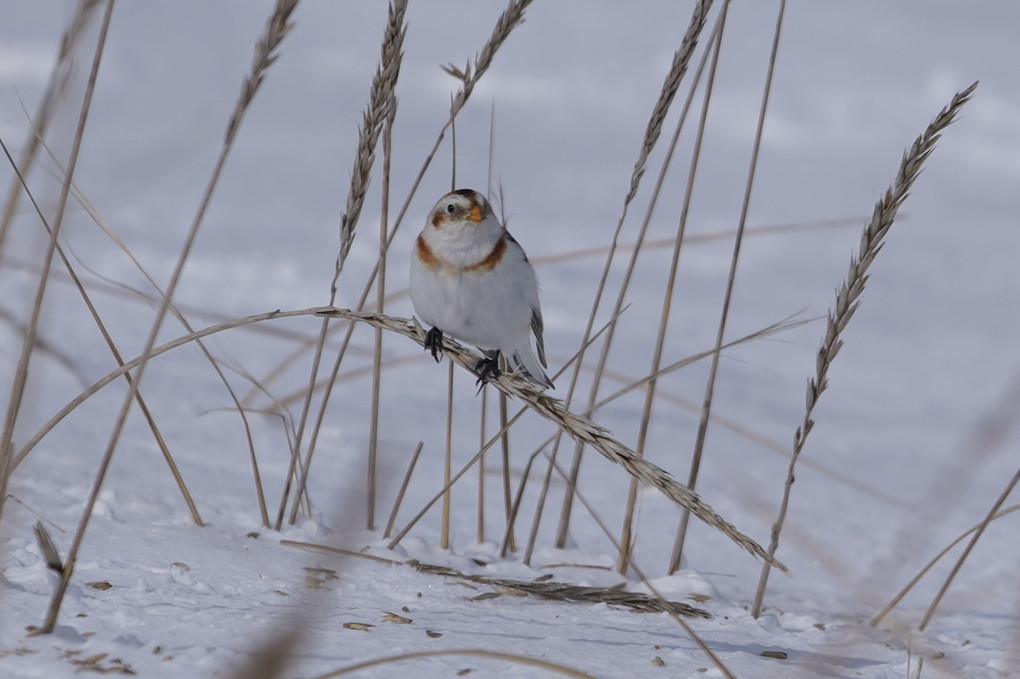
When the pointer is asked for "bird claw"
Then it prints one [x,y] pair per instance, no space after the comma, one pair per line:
[487,369]
[434,343]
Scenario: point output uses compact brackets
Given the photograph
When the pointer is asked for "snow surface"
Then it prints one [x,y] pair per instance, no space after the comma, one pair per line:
[900,462]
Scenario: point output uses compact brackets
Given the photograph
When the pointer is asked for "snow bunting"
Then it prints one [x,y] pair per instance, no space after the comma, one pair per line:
[471,279]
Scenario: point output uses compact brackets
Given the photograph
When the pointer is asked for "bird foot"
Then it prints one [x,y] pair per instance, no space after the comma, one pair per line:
[487,368]
[434,343]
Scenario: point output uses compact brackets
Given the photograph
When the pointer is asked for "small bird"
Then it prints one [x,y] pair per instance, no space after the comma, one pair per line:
[471,279]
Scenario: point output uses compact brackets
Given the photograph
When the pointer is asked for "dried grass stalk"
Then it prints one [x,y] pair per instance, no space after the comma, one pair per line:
[677,71]
[121,370]
[848,296]
[382,101]
[935,559]
[542,589]
[710,58]
[681,59]
[510,18]
[20,380]
[55,88]
[380,305]
[706,411]
[183,340]
[511,658]
[580,428]
[101,326]
[967,550]
[399,499]
[765,332]
[276,29]
[444,537]
[564,591]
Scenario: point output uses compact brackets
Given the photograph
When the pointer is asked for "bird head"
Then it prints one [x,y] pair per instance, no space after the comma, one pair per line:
[463,208]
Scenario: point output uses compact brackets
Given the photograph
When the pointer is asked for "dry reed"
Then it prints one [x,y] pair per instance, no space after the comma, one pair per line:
[967,550]
[765,332]
[848,297]
[380,305]
[565,591]
[381,101]
[108,339]
[935,559]
[512,658]
[182,319]
[511,17]
[398,500]
[720,665]
[55,86]
[580,427]
[276,29]
[712,51]
[678,68]
[577,427]
[706,411]
[444,537]
[542,588]
[19,383]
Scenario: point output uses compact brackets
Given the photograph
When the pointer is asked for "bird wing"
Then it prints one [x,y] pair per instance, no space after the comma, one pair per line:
[538,327]
[506,234]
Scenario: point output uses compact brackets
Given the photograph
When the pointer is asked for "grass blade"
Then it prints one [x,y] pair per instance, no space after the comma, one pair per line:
[681,59]
[29,340]
[849,293]
[276,29]
[706,411]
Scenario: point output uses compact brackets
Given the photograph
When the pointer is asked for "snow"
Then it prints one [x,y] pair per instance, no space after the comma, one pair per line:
[900,462]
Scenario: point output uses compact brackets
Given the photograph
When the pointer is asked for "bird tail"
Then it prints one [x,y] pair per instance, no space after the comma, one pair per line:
[525,359]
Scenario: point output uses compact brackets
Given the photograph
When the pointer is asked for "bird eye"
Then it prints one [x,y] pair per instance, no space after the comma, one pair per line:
[449,208]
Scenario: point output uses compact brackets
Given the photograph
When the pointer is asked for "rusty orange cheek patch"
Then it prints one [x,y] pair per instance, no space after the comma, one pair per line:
[425,254]
[475,214]
[438,219]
